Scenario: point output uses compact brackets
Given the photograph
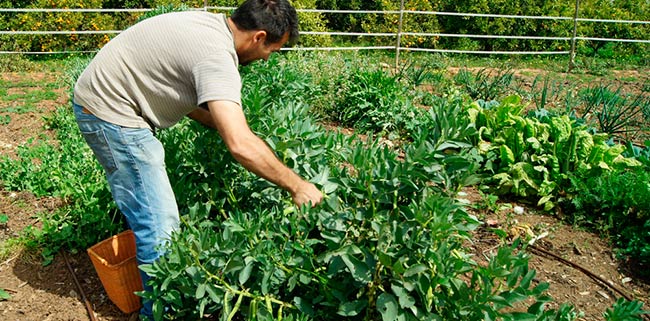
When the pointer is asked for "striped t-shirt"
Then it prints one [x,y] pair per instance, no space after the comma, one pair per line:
[157,71]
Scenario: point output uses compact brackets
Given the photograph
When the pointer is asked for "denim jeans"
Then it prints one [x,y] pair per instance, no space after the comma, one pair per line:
[134,163]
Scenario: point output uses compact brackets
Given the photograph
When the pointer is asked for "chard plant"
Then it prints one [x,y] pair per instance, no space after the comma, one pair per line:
[534,159]
[553,160]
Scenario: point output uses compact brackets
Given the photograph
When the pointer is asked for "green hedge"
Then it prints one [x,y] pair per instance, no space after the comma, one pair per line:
[66,21]
[362,22]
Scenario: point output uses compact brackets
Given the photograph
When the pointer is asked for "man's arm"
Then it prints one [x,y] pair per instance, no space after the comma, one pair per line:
[203,116]
[252,152]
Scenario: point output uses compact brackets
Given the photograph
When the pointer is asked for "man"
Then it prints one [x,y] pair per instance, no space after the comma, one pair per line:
[155,73]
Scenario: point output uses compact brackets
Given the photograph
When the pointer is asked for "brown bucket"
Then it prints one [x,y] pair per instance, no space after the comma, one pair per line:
[117,268]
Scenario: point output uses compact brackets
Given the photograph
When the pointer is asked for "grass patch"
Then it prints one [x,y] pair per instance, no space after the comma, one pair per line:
[22,63]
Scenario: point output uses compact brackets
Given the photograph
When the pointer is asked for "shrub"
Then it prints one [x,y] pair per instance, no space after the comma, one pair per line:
[618,206]
[53,21]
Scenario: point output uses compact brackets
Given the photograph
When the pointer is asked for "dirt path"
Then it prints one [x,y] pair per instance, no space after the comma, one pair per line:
[49,292]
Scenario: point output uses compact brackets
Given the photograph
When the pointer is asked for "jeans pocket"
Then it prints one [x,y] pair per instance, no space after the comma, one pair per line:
[102,150]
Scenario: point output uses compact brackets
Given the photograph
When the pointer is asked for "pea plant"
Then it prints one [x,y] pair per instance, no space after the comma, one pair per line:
[63,167]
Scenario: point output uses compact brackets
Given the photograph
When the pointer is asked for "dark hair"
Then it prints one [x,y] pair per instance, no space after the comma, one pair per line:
[276,17]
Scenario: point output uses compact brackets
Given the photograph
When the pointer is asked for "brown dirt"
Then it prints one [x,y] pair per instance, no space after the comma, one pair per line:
[50,293]
[41,292]
[586,260]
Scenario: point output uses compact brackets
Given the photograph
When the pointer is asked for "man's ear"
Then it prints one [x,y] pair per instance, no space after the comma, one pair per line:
[259,36]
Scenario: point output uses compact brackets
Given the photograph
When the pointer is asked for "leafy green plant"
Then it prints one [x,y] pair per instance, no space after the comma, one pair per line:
[489,202]
[641,153]
[386,242]
[25,101]
[367,100]
[625,310]
[27,108]
[45,168]
[616,205]
[551,159]
[530,158]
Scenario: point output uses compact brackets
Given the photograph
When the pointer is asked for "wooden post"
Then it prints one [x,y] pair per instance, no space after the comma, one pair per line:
[572,53]
[399,35]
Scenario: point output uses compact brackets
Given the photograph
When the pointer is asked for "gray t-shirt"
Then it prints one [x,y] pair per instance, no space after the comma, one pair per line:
[157,71]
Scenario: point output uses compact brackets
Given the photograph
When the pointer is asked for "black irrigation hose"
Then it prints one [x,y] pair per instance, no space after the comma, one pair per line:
[585,271]
[89,307]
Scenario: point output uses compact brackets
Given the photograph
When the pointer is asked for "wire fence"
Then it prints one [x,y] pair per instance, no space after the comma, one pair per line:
[398,36]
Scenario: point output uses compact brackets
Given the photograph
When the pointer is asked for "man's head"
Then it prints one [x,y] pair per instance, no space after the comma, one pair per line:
[271,22]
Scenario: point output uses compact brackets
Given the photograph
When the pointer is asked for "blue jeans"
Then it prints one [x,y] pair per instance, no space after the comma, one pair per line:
[134,162]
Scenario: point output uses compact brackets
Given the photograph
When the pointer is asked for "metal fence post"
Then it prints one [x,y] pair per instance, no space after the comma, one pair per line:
[572,53]
[399,35]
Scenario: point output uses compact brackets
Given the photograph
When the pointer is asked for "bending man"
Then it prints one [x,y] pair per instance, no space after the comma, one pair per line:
[155,73]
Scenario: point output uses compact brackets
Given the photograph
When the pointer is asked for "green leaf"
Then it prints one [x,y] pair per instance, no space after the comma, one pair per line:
[405,300]
[245,273]
[212,293]
[387,307]
[202,305]
[352,308]
[304,307]
[158,310]
[540,288]
[359,269]
[525,281]
[384,259]
[4,295]
[521,316]
[500,300]
[235,264]
[200,291]
[415,269]
[536,308]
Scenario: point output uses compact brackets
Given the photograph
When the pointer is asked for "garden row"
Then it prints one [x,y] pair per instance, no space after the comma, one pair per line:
[388,241]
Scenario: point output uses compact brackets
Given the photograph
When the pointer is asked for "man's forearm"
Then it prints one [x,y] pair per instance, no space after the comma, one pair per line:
[202,116]
[255,155]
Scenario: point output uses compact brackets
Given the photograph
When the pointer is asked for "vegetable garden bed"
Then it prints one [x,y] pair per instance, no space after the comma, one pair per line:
[391,221]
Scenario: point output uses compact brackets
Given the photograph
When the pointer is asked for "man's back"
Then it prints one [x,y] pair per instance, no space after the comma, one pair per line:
[158,70]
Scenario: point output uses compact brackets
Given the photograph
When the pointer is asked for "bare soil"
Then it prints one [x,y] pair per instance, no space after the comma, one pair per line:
[50,292]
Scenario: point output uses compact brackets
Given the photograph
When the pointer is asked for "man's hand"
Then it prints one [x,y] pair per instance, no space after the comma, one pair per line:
[307,194]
